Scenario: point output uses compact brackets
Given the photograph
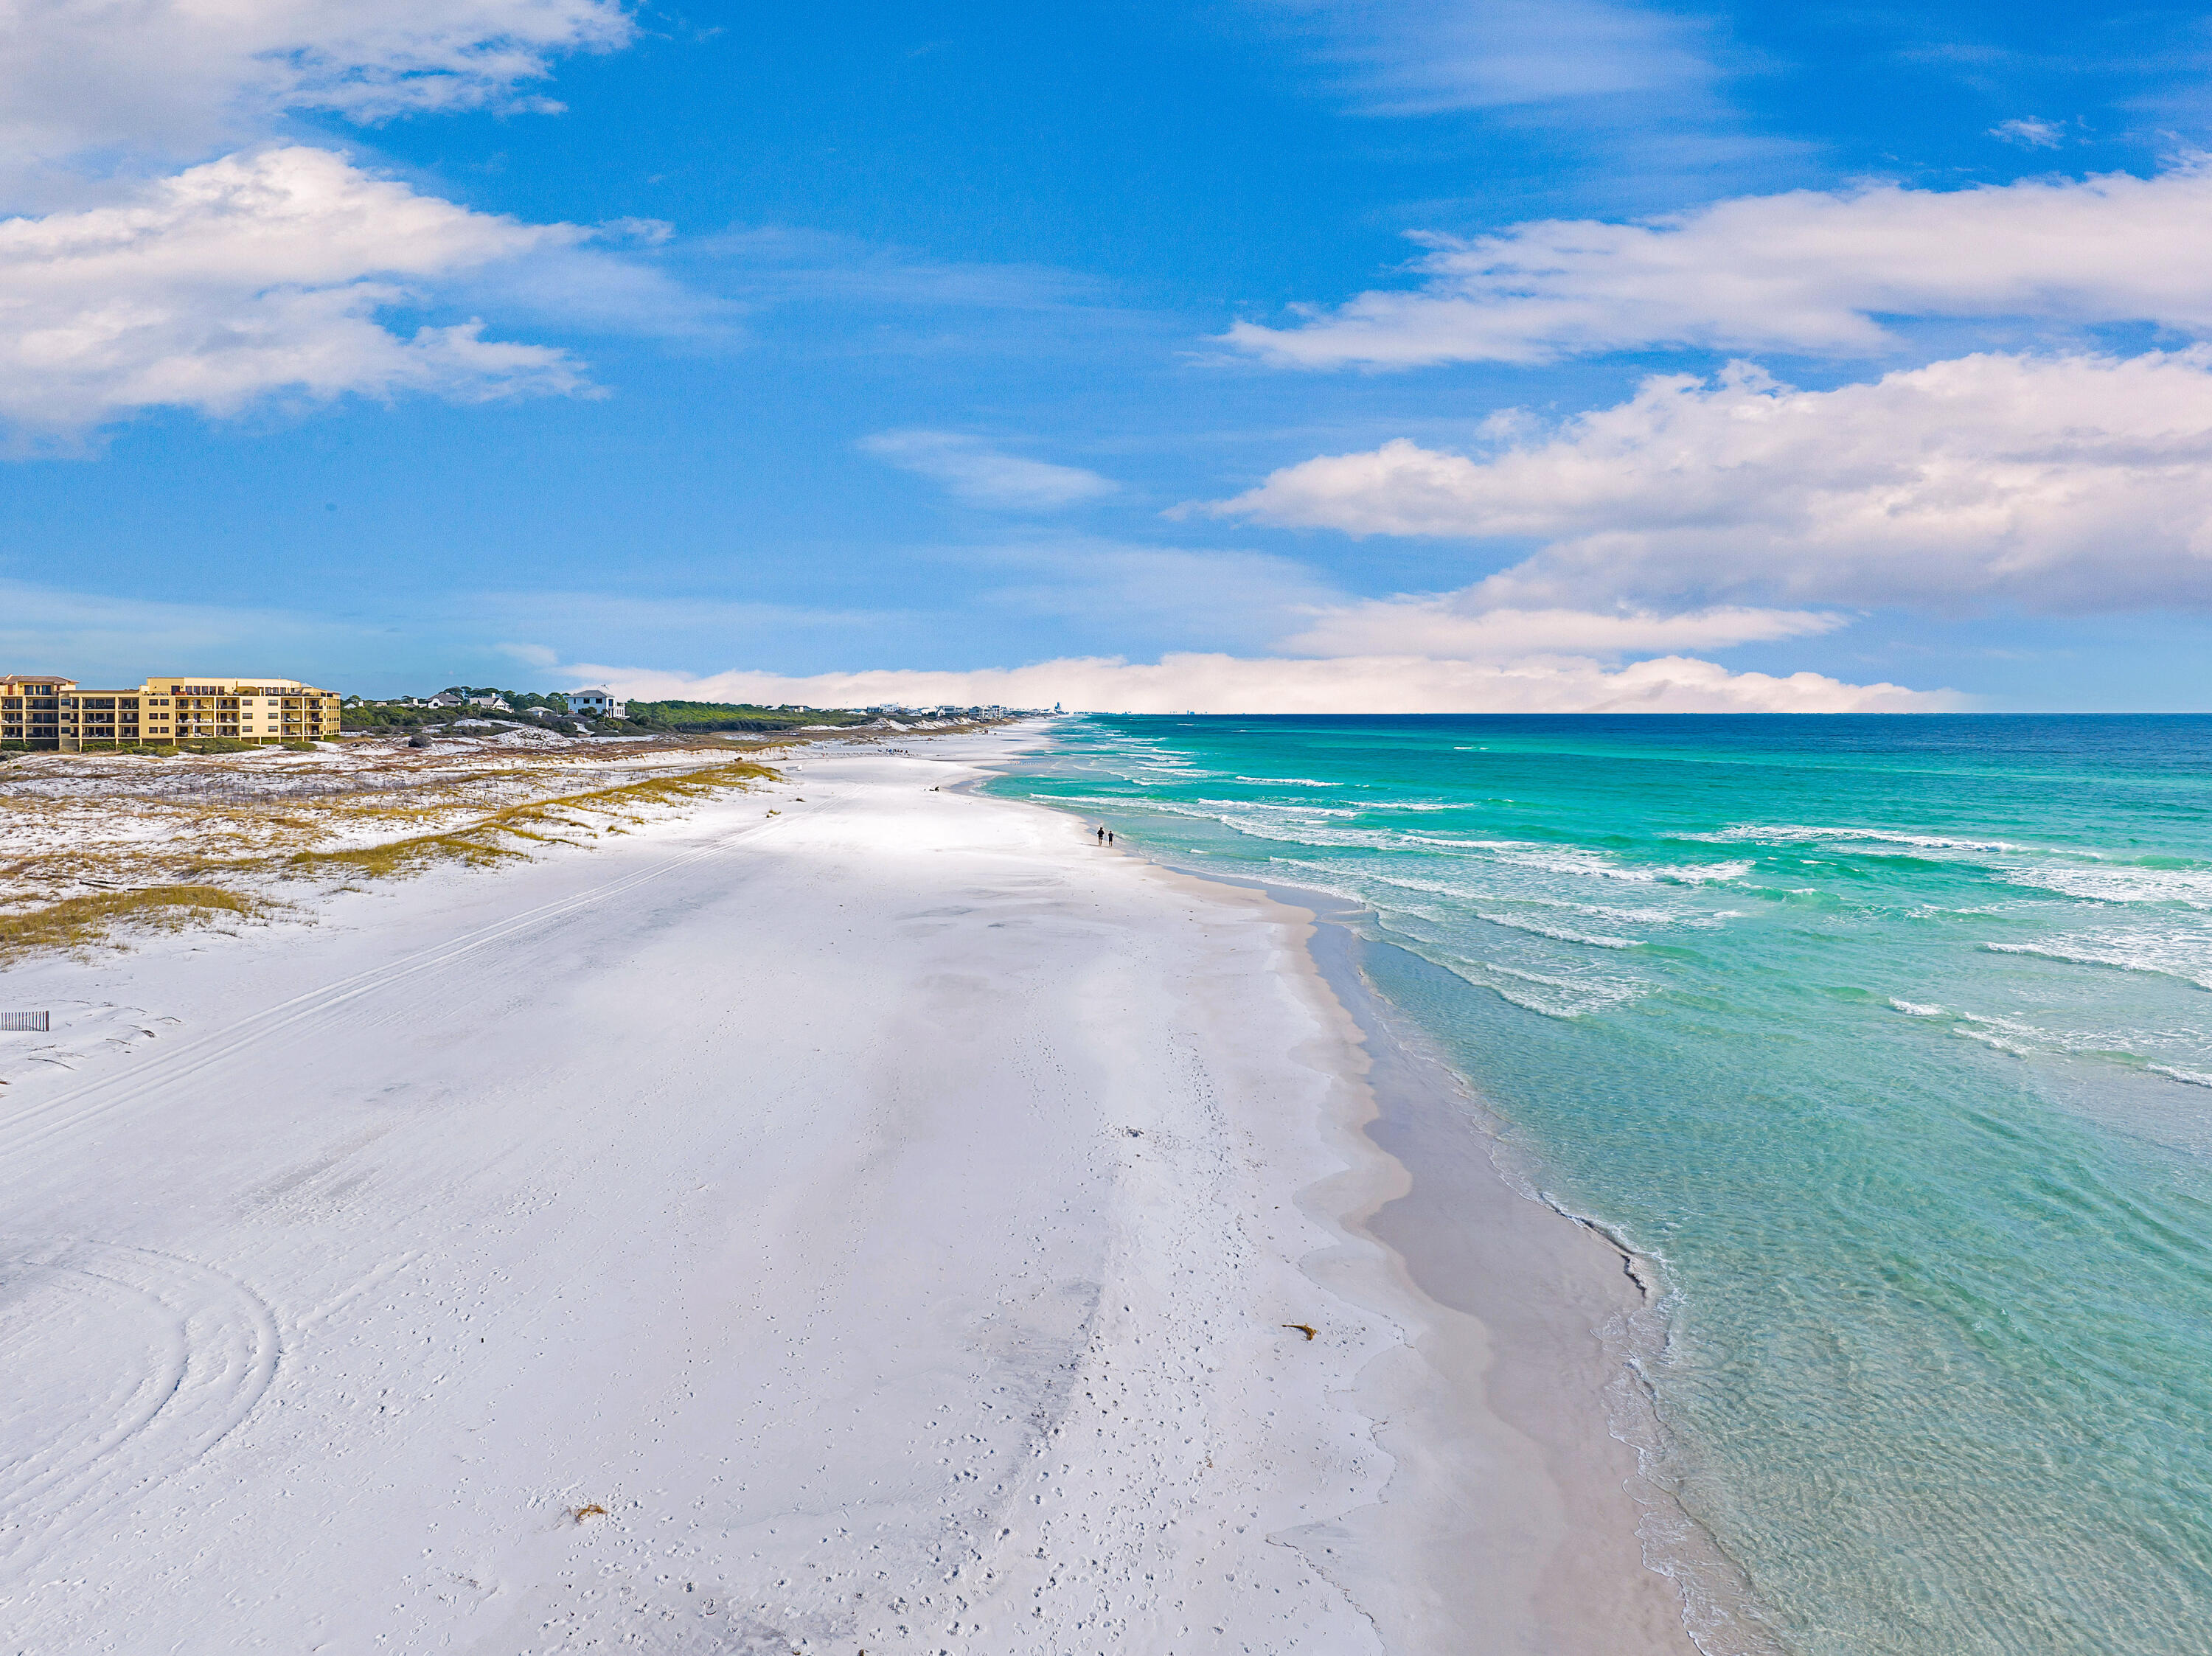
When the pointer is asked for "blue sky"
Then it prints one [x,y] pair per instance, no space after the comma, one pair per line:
[1264,354]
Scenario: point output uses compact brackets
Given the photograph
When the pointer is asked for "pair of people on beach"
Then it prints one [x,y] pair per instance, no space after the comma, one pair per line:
[1105,836]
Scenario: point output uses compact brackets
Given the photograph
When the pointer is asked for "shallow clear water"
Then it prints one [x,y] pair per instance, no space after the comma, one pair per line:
[1891,1038]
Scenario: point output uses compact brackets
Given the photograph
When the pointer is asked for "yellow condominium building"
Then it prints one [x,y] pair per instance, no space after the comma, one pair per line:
[168,708]
[31,709]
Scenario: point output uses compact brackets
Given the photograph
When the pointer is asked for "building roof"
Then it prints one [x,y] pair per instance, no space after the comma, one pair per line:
[233,679]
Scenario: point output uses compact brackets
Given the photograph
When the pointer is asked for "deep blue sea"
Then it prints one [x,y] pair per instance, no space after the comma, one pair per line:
[1889,1038]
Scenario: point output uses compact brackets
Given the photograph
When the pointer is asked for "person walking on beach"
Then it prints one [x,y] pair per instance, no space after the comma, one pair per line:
[1109,836]
[1102,836]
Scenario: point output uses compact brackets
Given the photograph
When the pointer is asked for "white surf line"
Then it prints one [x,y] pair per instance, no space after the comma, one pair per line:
[32,1126]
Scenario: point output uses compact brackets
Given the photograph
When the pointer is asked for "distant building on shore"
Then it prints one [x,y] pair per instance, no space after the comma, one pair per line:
[31,709]
[599,703]
[59,715]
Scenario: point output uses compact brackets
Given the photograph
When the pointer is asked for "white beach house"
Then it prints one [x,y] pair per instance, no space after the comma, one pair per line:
[598,702]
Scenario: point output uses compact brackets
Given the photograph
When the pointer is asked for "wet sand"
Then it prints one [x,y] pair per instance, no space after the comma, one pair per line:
[1512,1520]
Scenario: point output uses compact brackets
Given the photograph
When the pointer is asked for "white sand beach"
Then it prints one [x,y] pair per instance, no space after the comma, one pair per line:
[893,1224]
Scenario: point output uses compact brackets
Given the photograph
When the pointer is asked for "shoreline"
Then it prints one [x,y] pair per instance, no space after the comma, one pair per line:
[1517,1313]
[848,1214]
[1529,1308]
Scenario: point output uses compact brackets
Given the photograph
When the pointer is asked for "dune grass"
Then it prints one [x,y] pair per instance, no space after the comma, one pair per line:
[77,921]
[227,872]
[541,822]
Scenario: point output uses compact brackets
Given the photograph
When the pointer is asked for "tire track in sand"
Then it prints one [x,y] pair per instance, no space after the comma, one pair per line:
[130,1364]
[36,1124]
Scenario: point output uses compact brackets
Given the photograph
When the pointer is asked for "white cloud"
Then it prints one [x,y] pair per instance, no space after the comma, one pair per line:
[1424,57]
[2030,132]
[970,469]
[1297,645]
[77,631]
[253,275]
[176,77]
[267,274]
[1805,272]
[1460,625]
[1099,591]
[2073,483]
[1373,684]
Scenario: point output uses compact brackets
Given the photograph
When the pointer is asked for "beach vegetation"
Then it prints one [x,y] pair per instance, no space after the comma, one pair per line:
[199,838]
[494,837]
[552,712]
[76,922]
[705,716]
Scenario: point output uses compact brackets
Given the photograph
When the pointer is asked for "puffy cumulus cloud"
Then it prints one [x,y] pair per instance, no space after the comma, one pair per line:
[2069,482]
[253,275]
[266,274]
[970,469]
[1372,684]
[173,77]
[1806,271]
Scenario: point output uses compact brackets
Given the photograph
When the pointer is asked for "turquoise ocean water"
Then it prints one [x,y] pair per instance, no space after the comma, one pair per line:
[1889,1038]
